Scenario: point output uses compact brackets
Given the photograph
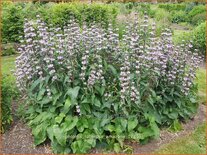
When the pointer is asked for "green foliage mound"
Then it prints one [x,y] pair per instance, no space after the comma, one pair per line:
[87,88]
[199,38]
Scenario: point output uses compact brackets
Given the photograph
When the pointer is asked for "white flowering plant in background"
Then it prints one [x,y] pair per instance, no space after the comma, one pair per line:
[86,87]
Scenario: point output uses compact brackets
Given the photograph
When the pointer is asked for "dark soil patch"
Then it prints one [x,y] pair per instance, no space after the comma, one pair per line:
[19,140]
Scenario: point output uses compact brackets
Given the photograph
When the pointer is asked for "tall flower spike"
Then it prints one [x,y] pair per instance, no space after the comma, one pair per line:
[125,78]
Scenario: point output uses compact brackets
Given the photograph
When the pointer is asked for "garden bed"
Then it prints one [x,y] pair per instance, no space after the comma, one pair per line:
[131,84]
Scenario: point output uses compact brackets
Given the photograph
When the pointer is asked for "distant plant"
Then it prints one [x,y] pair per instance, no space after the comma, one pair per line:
[172,7]
[199,38]
[197,10]
[162,15]
[12,23]
[199,18]
[178,16]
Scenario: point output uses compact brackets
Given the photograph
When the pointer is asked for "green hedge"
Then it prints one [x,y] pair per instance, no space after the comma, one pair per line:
[60,14]
[197,10]
[172,7]
[178,16]
[57,14]
[12,22]
[199,18]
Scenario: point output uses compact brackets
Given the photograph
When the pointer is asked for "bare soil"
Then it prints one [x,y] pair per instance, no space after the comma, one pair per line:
[18,139]
[179,27]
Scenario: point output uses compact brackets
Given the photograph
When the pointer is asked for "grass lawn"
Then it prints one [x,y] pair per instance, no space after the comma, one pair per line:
[179,35]
[7,65]
[201,80]
[195,143]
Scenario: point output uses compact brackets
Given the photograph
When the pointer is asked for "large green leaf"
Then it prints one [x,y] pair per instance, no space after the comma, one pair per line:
[80,146]
[118,129]
[123,123]
[73,92]
[60,135]
[132,123]
[86,107]
[113,70]
[39,133]
[50,133]
[110,128]
[40,94]
[136,136]
[35,84]
[69,123]
[41,118]
[67,105]
[60,149]
[117,147]
[105,121]
[176,126]
[56,97]
[97,102]
[100,90]
[59,118]
[173,115]
[153,126]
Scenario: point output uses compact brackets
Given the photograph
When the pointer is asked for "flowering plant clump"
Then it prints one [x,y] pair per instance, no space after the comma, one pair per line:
[88,88]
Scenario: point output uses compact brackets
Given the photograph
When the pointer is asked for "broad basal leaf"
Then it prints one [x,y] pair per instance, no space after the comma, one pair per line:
[132,123]
[60,135]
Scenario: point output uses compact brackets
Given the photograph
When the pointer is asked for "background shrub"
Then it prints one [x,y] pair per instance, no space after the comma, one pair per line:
[197,10]
[178,16]
[57,14]
[60,14]
[99,13]
[162,15]
[190,6]
[172,7]
[9,91]
[199,18]
[144,8]
[180,36]
[199,38]
[12,23]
